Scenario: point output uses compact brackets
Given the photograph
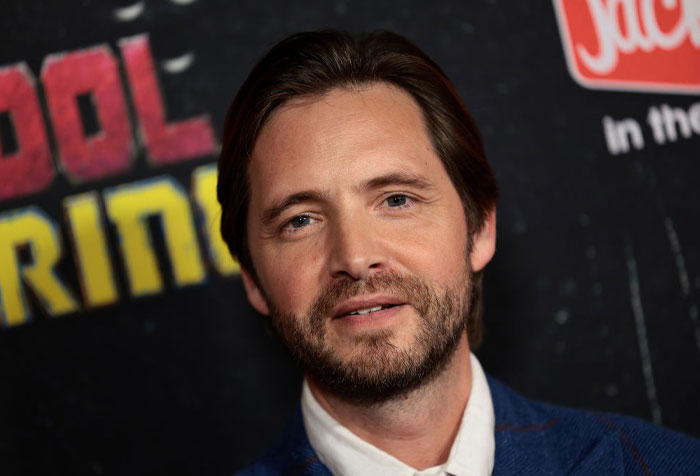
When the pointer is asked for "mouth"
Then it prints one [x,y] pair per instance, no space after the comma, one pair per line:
[366,306]
[369,310]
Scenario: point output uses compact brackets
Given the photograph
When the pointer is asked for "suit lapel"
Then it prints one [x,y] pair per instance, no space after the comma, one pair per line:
[292,454]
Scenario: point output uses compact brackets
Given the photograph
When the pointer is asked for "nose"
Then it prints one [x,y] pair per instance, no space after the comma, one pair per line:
[356,251]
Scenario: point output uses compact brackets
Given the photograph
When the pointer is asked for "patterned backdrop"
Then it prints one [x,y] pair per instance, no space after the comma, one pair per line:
[126,342]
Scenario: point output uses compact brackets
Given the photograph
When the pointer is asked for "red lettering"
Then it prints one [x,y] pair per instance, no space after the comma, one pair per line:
[166,143]
[648,45]
[94,72]
[29,168]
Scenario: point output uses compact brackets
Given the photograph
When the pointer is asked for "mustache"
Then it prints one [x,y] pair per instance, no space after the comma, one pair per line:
[406,288]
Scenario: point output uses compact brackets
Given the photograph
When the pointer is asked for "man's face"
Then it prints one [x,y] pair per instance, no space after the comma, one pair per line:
[359,242]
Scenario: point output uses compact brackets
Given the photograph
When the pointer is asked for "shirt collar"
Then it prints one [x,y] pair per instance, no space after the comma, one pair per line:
[344,453]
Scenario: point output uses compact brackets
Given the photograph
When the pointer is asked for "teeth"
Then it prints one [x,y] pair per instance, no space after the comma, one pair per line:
[366,310]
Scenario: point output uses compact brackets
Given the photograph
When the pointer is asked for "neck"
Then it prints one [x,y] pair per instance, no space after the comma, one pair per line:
[418,428]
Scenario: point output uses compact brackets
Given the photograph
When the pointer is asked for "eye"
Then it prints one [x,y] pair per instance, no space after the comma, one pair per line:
[396,201]
[298,222]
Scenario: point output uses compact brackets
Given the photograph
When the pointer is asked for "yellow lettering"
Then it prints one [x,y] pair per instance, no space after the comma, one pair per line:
[204,193]
[30,227]
[129,206]
[90,244]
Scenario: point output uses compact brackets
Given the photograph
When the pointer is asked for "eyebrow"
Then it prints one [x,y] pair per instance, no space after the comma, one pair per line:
[274,211]
[399,178]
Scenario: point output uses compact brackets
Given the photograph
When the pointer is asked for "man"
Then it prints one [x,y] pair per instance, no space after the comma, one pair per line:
[357,198]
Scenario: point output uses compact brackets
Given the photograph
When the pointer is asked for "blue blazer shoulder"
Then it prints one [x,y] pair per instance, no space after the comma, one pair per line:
[533,438]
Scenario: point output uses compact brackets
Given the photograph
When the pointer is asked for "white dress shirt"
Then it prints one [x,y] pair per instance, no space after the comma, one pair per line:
[346,454]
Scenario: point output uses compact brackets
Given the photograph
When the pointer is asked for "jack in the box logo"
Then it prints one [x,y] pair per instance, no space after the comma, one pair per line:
[643,45]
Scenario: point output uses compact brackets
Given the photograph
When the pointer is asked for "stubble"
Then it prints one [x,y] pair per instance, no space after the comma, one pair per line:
[378,370]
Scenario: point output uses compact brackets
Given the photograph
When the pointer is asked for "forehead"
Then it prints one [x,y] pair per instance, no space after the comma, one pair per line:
[342,135]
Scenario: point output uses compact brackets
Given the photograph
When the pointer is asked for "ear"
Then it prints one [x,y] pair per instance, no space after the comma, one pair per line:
[484,245]
[256,298]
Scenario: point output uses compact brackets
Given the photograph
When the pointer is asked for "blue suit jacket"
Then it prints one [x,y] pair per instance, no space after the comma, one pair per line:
[534,438]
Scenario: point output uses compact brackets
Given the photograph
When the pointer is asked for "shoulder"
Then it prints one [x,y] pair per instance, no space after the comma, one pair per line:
[290,454]
[561,440]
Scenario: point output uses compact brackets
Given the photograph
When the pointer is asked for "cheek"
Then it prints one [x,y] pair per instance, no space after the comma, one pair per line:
[291,276]
[435,248]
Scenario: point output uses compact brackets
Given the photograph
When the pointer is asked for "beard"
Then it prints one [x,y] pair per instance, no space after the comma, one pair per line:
[376,369]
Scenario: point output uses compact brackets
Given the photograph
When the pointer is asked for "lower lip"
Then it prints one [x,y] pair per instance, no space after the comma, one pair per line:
[376,317]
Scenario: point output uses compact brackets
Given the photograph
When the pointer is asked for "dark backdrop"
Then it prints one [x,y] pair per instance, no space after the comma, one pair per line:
[590,300]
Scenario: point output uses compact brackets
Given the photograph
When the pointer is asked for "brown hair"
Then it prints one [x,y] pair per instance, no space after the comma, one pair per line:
[314,63]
